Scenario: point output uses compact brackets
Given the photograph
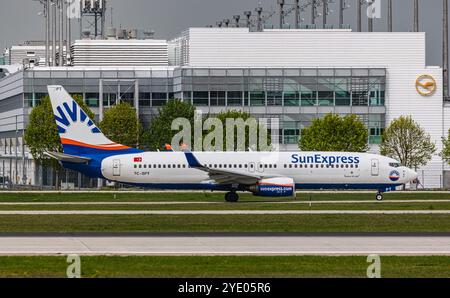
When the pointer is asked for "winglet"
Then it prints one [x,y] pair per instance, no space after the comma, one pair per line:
[192,160]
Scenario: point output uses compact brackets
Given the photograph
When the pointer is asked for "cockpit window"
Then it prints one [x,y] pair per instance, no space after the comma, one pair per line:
[394,164]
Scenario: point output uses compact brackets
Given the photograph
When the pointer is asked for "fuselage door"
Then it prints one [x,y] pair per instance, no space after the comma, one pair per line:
[116,167]
[375,165]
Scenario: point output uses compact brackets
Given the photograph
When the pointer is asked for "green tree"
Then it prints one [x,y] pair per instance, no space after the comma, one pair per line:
[160,131]
[235,116]
[407,142]
[121,124]
[41,134]
[446,150]
[335,133]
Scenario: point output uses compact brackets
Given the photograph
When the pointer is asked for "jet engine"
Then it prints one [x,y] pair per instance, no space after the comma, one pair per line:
[274,187]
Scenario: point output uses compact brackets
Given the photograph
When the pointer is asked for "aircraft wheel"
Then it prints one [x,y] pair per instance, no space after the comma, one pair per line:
[231,197]
[379,197]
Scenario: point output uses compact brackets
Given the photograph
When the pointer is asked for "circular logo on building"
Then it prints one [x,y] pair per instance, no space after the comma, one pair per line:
[426,85]
[394,176]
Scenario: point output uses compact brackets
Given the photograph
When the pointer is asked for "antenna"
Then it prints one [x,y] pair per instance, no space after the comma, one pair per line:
[445,62]
[281,6]
[236,20]
[297,14]
[259,10]
[416,15]
[248,15]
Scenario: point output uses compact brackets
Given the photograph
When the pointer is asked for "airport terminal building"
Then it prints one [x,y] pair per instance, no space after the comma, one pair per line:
[293,75]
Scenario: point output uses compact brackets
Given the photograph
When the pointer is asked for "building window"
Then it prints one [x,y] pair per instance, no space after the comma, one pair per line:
[159,99]
[201,98]
[257,98]
[92,99]
[217,98]
[234,98]
[274,98]
[292,98]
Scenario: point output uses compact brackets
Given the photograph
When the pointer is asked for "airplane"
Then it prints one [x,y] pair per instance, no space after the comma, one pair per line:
[267,174]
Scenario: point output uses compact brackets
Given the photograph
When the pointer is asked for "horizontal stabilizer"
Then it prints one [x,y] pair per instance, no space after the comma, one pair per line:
[67,158]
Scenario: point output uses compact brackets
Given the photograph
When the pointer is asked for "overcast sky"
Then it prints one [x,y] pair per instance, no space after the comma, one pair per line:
[20,20]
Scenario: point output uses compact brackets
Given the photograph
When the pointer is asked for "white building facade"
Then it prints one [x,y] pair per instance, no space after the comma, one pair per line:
[293,75]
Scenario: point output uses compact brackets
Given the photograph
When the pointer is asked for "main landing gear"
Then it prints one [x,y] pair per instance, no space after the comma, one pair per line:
[379,196]
[231,197]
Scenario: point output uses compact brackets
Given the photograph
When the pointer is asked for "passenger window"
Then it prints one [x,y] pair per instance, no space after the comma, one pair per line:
[140,166]
[135,166]
[290,166]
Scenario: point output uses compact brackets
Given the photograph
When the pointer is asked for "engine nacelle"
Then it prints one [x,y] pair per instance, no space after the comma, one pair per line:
[274,187]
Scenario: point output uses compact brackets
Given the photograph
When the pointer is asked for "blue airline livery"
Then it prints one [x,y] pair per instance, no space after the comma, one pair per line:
[274,174]
[324,159]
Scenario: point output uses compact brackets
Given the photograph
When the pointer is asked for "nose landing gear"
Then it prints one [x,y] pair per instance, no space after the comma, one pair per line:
[379,196]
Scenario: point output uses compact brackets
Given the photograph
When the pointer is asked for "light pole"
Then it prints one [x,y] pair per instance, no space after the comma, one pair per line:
[445,61]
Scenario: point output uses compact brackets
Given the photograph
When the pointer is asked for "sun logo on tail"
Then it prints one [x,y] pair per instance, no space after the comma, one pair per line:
[67,116]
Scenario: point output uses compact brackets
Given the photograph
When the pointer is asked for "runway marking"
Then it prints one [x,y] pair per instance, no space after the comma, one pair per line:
[217,245]
[220,212]
[206,202]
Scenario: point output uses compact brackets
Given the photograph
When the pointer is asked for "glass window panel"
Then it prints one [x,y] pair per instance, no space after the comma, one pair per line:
[257,72]
[377,72]
[42,74]
[92,74]
[218,80]
[235,72]
[360,72]
[274,98]
[92,99]
[326,98]
[275,72]
[200,98]
[217,98]
[308,98]
[291,72]
[311,72]
[59,74]
[159,74]
[325,72]
[234,98]
[342,98]
[200,72]
[109,74]
[159,99]
[359,98]
[218,72]
[200,80]
[75,74]
[291,98]
[257,98]
[344,72]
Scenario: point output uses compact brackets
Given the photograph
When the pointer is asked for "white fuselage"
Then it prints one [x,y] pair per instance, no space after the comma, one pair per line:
[313,170]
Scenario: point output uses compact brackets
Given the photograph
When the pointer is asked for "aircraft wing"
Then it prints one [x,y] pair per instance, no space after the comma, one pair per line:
[67,158]
[223,176]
